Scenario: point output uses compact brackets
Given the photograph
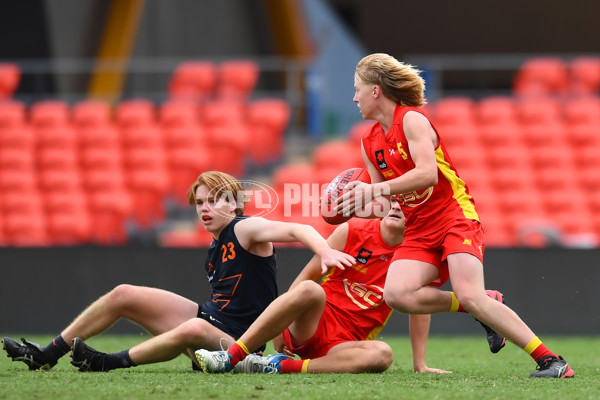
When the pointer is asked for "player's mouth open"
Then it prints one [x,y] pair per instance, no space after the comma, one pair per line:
[206,218]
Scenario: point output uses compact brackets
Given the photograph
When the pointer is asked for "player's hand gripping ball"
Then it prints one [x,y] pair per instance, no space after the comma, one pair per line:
[335,189]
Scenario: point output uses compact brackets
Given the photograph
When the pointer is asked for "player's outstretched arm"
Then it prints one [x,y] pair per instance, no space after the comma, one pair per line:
[259,230]
[313,271]
[419,331]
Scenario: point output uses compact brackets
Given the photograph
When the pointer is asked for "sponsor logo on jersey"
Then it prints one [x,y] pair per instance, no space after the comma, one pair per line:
[380,158]
[363,255]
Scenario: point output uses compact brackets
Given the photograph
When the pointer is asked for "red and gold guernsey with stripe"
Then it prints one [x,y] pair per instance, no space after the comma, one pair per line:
[355,295]
[428,209]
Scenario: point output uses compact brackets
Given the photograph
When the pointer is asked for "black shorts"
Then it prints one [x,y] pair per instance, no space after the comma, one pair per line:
[232,329]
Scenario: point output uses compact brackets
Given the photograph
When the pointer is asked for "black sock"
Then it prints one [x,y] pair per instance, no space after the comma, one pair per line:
[118,360]
[56,348]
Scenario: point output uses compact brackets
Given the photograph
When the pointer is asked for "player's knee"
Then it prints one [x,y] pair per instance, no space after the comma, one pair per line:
[121,296]
[469,301]
[309,292]
[398,300]
[191,331]
[382,356]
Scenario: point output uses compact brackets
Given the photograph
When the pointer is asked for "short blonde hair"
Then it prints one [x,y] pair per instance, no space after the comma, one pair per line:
[222,183]
[398,81]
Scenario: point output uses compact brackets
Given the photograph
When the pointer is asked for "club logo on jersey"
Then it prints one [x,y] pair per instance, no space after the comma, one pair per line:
[363,256]
[415,198]
[363,295]
[380,157]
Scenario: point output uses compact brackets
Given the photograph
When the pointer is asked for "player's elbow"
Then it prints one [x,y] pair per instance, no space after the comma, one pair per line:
[430,178]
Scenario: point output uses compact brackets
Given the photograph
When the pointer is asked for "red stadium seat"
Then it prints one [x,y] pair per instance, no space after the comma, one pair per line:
[67,217]
[538,110]
[502,134]
[583,135]
[582,110]
[458,135]
[237,79]
[587,156]
[101,158]
[50,114]
[184,166]
[10,77]
[91,114]
[188,136]
[26,230]
[336,155]
[20,202]
[139,159]
[584,75]
[109,211]
[220,113]
[495,110]
[101,136]
[135,113]
[268,119]
[12,114]
[58,158]
[467,158]
[358,129]
[454,110]
[545,135]
[193,80]
[141,137]
[177,114]
[18,137]
[148,189]
[229,144]
[60,180]
[588,179]
[542,76]
[68,228]
[96,181]
[293,174]
[17,180]
[16,159]
[60,201]
[56,136]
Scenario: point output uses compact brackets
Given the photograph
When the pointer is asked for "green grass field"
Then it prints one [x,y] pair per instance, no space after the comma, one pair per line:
[477,374]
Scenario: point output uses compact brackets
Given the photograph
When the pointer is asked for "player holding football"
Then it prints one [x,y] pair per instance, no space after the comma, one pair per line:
[405,156]
[330,326]
[241,272]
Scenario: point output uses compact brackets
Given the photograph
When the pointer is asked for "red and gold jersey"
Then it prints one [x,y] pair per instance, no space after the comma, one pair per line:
[428,209]
[356,293]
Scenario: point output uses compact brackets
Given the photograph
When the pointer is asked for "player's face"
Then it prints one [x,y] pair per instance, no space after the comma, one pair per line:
[215,212]
[363,97]
[395,217]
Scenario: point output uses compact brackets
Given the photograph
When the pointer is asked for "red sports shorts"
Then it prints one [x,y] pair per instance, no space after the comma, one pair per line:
[329,334]
[459,236]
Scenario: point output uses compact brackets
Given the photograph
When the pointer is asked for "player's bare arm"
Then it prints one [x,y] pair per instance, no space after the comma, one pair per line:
[313,271]
[253,231]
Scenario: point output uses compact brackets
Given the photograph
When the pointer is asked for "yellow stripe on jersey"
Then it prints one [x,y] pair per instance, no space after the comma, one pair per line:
[458,186]
[328,275]
[373,334]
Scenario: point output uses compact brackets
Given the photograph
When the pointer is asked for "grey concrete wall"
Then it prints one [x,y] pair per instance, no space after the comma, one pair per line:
[42,290]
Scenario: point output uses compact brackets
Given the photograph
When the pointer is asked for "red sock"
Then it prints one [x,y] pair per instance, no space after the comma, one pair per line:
[291,366]
[238,352]
[538,350]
